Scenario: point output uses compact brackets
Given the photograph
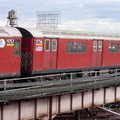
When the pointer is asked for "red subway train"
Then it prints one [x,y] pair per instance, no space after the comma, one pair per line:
[10,52]
[33,51]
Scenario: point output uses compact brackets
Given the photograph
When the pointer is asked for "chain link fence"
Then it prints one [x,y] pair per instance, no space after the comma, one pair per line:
[26,60]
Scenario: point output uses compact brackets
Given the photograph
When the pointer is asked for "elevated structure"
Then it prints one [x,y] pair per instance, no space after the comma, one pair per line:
[12,18]
[86,101]
[46,108]
[48,19]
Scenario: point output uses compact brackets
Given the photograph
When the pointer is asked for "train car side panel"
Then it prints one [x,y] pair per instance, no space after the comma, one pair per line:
[97,52]
[111,54]
[50,54]
[38,54]
[32,50]
[10,56]
[75,53]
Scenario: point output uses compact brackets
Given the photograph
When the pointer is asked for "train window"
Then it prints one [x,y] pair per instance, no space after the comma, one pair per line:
[95,46]
[81,49]
[100,46]
[114,47]
[71,49]
[47,45]
[17,47]
[74,43]
[69,43]
[78,47]
[54,45]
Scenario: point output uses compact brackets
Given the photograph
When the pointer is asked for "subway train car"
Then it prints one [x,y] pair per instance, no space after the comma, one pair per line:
[33,51]
[10,51]
[54,51]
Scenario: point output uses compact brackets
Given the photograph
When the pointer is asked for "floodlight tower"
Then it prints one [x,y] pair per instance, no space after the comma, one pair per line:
[12,19]
[48,19]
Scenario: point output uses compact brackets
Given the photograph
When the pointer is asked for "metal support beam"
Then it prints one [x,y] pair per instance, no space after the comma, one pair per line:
[19,110]
[111,112]
[2,111]
[35,108]
[71,101]
[50,108]
[77,115]
[59,103]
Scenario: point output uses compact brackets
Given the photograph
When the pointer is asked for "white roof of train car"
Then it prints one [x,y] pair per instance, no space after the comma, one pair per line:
[36,32]
[9,32]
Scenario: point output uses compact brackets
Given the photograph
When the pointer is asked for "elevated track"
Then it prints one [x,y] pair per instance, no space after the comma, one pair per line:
[59,93]
[43,86]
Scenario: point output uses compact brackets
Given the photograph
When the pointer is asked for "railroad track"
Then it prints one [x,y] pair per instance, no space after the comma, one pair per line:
[49,83]
[54,89]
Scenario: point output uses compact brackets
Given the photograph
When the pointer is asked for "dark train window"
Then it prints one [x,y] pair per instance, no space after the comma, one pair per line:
[47,45]
[114,47]
[69,43]
[78,47]
[17,47]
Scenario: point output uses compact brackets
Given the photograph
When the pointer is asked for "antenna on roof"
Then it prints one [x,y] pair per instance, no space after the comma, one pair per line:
[12,18]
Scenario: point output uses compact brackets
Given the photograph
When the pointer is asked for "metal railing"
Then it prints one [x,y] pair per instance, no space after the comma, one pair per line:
[57,79]
[46,86]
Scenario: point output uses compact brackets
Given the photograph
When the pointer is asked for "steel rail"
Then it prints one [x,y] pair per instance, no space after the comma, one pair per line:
[53,82]
[42,92]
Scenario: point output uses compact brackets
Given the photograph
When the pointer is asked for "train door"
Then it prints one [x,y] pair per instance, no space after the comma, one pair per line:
[50,54]
[97,52]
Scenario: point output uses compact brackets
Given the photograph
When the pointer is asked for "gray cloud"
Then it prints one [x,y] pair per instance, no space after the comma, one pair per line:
[102,15]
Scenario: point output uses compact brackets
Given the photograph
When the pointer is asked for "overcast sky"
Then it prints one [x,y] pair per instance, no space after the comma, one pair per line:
[83,15]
